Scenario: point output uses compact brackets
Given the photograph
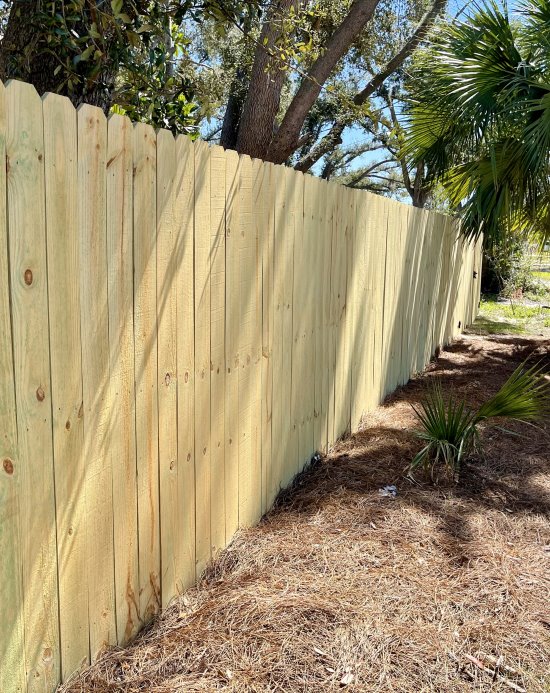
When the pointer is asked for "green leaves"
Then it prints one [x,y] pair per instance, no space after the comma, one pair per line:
[450,428]
[479,117]
[525,396]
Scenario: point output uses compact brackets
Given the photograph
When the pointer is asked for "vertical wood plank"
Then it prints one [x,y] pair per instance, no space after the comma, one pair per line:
[145,355]
[217,348]
[265,232]
[12,643]
[358,312]
[301,373]
[325,279]
[94,327]
[307,223]
[27,262]
[61,182]
[332,220]
[184,550]
[232,312]
[167,362]
[371,232]
[288,222]
[120,269]
[202,355]
[277,458]
[249,346]
[319,279]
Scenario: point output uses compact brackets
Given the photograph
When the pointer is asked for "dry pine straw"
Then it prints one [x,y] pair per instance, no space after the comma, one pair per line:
[340,588]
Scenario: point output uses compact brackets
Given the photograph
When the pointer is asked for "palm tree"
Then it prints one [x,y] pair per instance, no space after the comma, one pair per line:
[479,117]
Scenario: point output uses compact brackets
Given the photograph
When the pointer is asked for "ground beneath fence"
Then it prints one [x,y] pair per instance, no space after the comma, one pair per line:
[340,588]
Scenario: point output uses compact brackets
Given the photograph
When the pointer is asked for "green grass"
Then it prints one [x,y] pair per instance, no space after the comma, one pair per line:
[513,319]
[543,274]
[483,325]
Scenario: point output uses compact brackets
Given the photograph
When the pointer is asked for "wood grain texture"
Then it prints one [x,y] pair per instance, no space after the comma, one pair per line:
[145,368]
[31,374]
[249,334]
[184,549]
[287,239]
[232,312]
[64,270]
[277,455]
[12,643]
[203,256]
[120,270]
[96,389]
[217,349]
[265,229]
[167,362]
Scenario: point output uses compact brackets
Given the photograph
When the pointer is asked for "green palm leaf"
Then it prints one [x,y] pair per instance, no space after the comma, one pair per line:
[450,429]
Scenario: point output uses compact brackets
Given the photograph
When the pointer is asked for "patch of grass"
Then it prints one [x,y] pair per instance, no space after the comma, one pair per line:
[483,325]
[520,312]
[509,319]
[542,275]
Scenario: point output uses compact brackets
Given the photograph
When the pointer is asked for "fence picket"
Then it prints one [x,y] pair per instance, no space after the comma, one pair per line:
[120,267]
[166,307]
[61,182]
[145,350]
[184,548]
[12,643]
[29,314]
[217,346]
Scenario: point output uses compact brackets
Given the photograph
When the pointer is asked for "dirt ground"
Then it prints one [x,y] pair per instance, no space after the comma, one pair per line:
[340,588]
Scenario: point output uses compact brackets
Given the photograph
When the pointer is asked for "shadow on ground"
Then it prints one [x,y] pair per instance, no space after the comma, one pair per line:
[340,587]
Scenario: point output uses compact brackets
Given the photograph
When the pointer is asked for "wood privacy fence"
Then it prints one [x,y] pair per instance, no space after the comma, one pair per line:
[181,329]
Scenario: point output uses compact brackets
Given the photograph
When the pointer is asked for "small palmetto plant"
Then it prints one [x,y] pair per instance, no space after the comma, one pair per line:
[450,429]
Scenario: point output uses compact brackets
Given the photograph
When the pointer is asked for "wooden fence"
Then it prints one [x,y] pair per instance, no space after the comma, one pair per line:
[181,329]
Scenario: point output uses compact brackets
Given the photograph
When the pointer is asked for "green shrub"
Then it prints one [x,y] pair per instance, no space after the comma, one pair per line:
[508,267]
[450,429]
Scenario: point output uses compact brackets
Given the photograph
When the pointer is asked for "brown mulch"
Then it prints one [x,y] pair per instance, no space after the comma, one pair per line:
[339,588]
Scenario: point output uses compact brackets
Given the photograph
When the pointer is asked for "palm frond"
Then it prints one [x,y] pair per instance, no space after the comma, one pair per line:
[450,429]
[479,117]
[525,396]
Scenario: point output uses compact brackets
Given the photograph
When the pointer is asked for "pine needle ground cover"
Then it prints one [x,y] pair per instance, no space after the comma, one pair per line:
[340,587]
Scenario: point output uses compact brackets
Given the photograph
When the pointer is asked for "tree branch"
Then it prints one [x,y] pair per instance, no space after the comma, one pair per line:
[286,140]
[335,135]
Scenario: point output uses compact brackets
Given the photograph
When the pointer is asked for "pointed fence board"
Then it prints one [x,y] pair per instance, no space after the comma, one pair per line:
[96,387]
[203,257]
[61,186]
[167,360]
[145,365]
[217,349]
[120,269]
[232,311]
[181,329]
[249,342]
[12,644]
[265,222]
[184,183]
[31,375]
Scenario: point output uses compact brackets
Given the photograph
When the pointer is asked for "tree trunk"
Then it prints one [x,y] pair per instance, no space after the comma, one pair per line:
[420,191]
[24,55]
[264,92]
[233,112]
[287,138]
